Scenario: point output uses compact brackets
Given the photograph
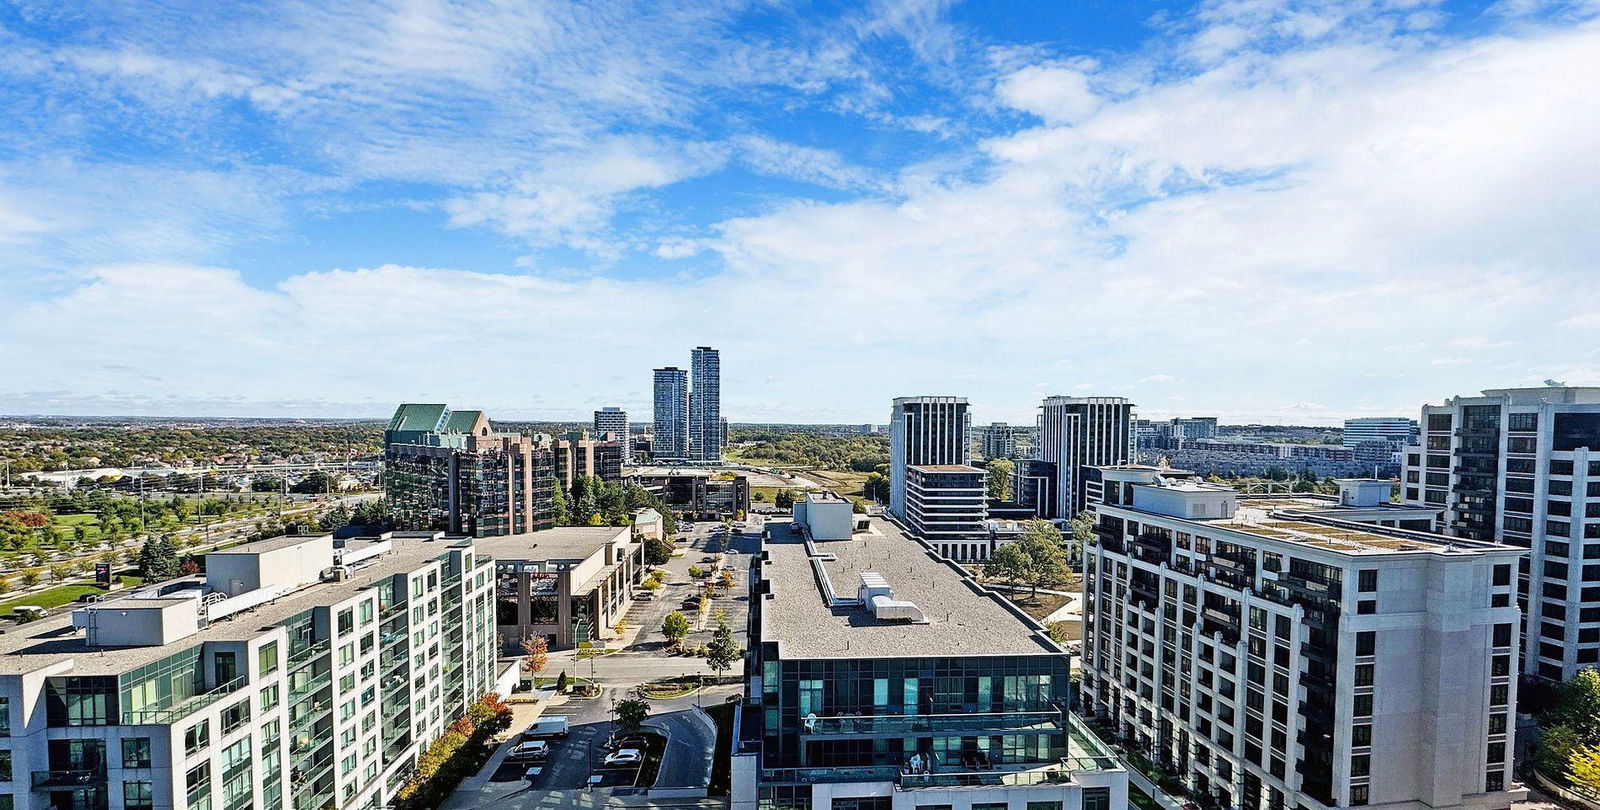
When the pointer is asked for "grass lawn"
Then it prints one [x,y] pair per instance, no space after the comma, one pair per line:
[848,483]
[51,597]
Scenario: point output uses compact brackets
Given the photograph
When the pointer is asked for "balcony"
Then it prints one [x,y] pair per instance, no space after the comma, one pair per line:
[901,725]
[1046,775]
[302,718]
[172,714]
[297,691]
[69,779]
[300,656]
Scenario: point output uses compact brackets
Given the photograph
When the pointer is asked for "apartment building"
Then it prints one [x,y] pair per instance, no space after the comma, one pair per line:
[1522,466]
[570,585]
[1300,651]
[947,508]
[883,678]
[1396,430]
[614,421]
[696,492]
[670,436]
[707,429]
[998,440]
[577,455]
[1076,433]
[925,430]
[451,471]
[292,674]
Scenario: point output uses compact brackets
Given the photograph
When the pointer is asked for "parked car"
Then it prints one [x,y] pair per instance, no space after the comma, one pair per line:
[554,726]
[691,602]
[531,750]
[618,743]
[626,756]
[644,594]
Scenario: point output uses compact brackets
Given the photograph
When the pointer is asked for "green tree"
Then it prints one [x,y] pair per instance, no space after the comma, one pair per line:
[722,651]
[1584,767]
[657,552]
[562,511]
[1082,535]
[783,499]
[675,627]
[315,482]
[1578,706]
[1556,746]
[631,714]
[1009,564]
[1000,470]
[876,487]
[158,560]
[1041,542]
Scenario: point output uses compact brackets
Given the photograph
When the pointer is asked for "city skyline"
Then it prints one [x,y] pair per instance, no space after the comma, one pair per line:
[1310,219]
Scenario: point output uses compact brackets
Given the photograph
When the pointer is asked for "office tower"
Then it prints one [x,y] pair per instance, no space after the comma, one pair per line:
[882,677]
[614,420]
[671,438]
[1522,466]
[295,672]
[925,430]
[1396,430]
[999,440]
[1079,432]
[705,404]
[946,507]
[1294,652]
[451,471]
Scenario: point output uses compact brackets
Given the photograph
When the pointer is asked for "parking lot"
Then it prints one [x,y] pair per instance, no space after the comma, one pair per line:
[647,614]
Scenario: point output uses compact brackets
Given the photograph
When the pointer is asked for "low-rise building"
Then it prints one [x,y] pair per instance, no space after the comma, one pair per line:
[697,491]
[1297,651]
[570,585]
[884,678]
[292,674]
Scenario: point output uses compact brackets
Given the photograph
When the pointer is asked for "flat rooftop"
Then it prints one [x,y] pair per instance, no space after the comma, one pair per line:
[28,647]
[561,543]
[963,619]
[1277,519]
[945,468]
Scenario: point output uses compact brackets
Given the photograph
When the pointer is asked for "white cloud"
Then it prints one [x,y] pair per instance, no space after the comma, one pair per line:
[1058,94]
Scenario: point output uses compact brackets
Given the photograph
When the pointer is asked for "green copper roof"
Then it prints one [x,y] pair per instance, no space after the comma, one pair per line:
[461,421]
[418,417]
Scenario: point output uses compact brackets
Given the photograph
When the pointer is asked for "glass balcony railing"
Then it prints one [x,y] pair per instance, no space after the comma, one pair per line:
[306,687]
[899,725]
[69,778]
[167,715]
[298,656]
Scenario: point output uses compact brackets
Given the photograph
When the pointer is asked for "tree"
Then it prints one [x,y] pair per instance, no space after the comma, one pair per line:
[561,682]
[1584,766]
[722,651]
[876,487]
[535,655]
[675,627]
[1010,564]
[315,482]
[1000,470]
[1556,746]
[1578,706]
[657,552]
[631,714]
[784,499]
[158,560]
[1082,535]
[1041,542]
[561,510]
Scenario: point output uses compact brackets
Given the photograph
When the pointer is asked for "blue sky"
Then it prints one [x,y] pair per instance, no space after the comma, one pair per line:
[1265,210]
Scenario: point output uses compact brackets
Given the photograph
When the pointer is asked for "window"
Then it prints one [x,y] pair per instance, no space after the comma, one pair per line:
[1502,575]
[235,716]
[1361,765]
[366,612]
[1497,723]
[1361,735]
[1097,798]
[5,765]
[347,655]
[267,658]
[1502,635]
[197,737]
[269,697]
[136,752]
[1367,580]
[1367,607]
[1358,795]
[1367,642]
[137,795]
[1364,674]
[1362,706]
[347,621]
[5,717]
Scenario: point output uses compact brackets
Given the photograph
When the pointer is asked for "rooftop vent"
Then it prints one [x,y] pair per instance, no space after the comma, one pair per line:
[875,593]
